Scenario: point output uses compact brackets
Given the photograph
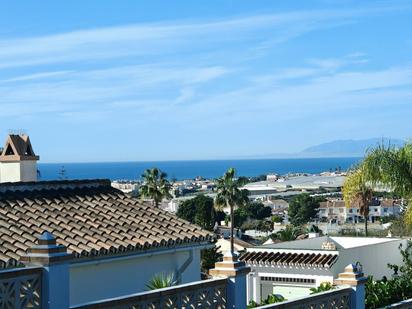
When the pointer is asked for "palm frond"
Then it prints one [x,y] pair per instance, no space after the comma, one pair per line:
[155,185]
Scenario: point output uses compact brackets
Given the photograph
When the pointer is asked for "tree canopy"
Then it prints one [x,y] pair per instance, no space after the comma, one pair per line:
[303,208]
[240,217]
[289,233]
[199,210]
[258,211]
[254,211]
[391,167]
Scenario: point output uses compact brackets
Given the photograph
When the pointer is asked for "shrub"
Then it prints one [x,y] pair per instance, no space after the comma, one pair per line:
[384,292]
[277,219]
[271,299]
[209,257]
[323,287]
[287,234]
[160,281]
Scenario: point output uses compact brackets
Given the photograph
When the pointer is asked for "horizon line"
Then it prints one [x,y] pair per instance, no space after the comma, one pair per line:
[204,160]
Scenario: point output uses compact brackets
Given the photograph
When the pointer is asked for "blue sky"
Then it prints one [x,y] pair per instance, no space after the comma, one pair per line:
[169,80]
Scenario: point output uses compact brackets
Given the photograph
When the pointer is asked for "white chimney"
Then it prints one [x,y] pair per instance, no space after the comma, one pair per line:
[18,162]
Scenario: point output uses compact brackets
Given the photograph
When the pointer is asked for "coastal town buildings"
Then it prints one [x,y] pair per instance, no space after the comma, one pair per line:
[291,268]
[276,204]
[126,186]
[335,210]
[295,184]
[272,177]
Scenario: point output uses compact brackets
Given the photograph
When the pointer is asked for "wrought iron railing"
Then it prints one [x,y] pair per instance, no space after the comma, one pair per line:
[200,295]
[339,298]
[21,288]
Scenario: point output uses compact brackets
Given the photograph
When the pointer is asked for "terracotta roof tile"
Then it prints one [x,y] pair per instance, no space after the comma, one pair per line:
[324,260]
[89,217]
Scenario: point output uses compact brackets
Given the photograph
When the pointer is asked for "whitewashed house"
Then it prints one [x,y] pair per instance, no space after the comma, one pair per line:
[335,211]
[292,268]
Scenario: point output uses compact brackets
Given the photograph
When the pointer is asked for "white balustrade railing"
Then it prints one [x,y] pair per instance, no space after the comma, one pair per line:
[339,298]
[201,294]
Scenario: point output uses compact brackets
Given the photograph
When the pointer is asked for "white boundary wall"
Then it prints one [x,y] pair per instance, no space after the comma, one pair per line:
[116,277]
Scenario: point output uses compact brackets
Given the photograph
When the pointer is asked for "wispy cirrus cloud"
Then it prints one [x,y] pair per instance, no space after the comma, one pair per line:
[157,39]
[232,78]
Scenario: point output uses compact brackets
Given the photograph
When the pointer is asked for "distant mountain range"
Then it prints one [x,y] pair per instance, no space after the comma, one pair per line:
[348,148]
[333,149]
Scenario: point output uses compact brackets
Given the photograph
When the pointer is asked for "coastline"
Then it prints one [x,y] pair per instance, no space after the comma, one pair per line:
[191,169]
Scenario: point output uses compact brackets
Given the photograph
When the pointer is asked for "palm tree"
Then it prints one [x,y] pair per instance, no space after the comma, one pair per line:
[391,167]
[289,233]
[359,191]
[155,186]
[229,195]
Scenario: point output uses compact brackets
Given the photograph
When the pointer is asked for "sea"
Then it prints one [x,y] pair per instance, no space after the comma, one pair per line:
[180,170]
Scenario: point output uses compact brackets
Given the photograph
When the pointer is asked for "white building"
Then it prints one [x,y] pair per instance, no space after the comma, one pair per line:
[18,161]
[125,186]
[276,204]
[272,177]
[335,211]
[173,204]
[292,268]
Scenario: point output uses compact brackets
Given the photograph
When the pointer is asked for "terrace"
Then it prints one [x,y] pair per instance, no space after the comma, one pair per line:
[47,286]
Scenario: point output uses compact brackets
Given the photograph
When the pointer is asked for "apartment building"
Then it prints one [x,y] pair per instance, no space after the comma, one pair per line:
[335,210]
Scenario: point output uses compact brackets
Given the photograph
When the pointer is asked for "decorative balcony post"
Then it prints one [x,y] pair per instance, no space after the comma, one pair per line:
[55,261]
[256,288]
[353,276]
[253,287]
[236,272]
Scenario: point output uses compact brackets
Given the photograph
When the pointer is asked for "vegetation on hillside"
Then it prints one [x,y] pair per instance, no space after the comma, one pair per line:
[199,210]
[303,208]
[255,213]
[323,287]
[271,299]
[289,233]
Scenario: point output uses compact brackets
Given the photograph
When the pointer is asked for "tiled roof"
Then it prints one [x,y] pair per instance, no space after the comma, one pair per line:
[89,217]
[319,260]
[332,204]
[388,203]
